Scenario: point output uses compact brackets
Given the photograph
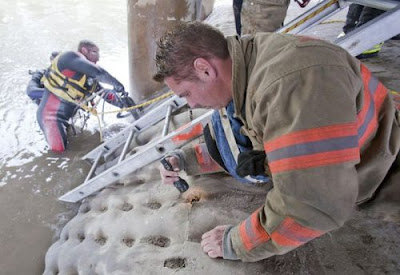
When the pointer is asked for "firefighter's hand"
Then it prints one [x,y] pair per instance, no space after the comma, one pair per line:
[169,177]
[211,241]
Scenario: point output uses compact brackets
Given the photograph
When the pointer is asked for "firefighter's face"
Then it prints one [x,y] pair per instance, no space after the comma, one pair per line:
[198,93]
[210,87]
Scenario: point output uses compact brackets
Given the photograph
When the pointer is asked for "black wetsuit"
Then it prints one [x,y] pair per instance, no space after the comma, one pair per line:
[35,87]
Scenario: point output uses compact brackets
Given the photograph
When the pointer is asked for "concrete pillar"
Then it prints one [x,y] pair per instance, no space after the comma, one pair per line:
[147,21]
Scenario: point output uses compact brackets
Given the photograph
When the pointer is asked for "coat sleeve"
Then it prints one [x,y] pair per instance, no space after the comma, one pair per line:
[307,122]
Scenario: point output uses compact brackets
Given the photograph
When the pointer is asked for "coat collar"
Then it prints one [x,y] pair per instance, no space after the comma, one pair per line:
[240,51]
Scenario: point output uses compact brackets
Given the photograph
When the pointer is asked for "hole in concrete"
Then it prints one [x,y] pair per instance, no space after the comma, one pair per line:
[153,205]
[367,239]
[103,209]
[193,195]
[175,263]
[160,241]
[84,208]
[193,199]
[81,237]
[126,206]
[128,241]
[139,181]
[119,184]
[101,240]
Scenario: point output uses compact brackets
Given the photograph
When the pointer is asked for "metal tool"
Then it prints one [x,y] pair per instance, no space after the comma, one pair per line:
[180,184]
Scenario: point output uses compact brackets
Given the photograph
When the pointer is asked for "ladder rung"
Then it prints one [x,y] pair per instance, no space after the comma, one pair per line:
[126,146]
[167,121]
[94,166]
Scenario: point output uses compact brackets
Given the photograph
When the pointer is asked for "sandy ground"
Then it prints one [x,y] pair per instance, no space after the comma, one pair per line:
[146,228]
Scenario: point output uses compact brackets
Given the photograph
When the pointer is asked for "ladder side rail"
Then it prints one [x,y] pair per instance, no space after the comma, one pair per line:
[376,4]
[383,27]
[313,16]
[328,8]
[150,153]
[152,117]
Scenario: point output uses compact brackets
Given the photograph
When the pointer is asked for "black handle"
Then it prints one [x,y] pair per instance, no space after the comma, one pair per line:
[180,184]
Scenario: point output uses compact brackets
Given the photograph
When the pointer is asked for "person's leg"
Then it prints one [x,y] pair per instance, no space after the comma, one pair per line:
[53,127]
[352,17]
[237,8]
[367,15]
[263,15]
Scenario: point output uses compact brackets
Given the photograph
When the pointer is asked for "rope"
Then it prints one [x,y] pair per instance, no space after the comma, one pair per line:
[311,15]
[94,112]
[149,102]
[332,22]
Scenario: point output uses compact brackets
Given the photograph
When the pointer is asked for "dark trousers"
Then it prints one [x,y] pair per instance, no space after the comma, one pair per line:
[359,15]
[237,8]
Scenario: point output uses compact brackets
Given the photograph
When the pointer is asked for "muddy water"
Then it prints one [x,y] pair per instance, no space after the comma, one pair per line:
[31,177]
[30,31]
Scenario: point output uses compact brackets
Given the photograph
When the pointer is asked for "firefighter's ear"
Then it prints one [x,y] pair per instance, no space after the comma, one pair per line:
[204,69]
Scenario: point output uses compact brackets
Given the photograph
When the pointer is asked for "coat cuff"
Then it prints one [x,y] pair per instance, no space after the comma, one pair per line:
[228,252]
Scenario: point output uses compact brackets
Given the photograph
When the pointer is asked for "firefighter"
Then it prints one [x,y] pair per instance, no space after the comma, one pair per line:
[327,131]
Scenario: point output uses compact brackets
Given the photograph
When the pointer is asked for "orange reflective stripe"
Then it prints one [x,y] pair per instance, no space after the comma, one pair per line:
[310,135]
[196,130]
[314,147]
[292,234]
[244,237]
[374,95]
[314,160]
[252,233]
[206,163]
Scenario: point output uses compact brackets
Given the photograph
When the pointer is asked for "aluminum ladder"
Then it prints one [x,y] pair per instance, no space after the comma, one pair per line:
[114,151]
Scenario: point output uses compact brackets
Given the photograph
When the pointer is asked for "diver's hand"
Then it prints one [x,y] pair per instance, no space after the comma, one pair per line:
[37,76]
[119,88]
